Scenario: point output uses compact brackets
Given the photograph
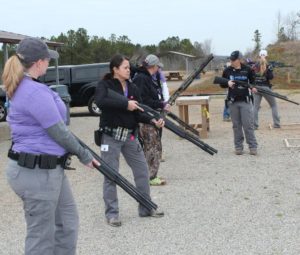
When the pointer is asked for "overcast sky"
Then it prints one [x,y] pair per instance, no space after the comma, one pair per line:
[229,24]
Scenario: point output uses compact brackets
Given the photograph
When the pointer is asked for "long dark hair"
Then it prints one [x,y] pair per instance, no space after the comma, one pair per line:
[115,61]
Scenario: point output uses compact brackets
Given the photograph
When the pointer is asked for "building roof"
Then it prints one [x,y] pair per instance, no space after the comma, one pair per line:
[13,38]
[182,54]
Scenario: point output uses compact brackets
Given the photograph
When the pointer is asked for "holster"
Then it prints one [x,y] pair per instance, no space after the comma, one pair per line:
[66,164]
[226,103]
[98,137]
[252,99]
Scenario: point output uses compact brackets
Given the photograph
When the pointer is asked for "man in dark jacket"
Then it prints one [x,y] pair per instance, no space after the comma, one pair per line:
[240,103]
[151,95]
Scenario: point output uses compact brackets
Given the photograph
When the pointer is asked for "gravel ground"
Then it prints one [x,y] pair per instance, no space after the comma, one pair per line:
[222,204]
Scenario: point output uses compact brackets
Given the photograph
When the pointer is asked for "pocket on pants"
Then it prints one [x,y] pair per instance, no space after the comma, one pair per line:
[12,173]
[41,203]
[39,212]
[13,170]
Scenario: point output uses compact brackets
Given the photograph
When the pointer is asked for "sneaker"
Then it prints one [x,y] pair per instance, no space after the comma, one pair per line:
[162,159]
[227,119]
[114,222]
[154,213]
[238,152]
[277,126]
[157,181]
[253,152]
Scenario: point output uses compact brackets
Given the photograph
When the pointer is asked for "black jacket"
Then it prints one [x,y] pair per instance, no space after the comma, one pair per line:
[264,79]
[246,74]
[114,112]
[150,92]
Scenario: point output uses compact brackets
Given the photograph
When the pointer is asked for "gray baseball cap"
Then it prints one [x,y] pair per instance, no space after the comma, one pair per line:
[152,60]
[32,49]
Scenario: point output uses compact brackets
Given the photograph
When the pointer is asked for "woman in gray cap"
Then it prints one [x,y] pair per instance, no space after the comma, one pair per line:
[40,145]
[152,96]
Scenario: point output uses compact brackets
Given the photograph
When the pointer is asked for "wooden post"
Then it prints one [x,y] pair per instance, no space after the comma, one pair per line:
[288,77]
[184,113]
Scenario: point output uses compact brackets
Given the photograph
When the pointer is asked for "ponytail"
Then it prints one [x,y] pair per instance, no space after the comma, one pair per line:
[263,66]
[12,75]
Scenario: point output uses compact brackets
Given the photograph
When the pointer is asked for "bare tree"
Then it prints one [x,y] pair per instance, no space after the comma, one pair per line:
[278,24]
[248,55]
[292,25]
[198,49]
[206,46]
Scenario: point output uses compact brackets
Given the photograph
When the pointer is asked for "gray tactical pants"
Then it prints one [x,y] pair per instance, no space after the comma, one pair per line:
[242,120]
[134,156]
[50,211]
[272,102]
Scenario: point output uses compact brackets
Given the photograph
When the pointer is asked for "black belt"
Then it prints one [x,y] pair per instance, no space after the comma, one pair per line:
[246,99]
[44,161]
[240,99]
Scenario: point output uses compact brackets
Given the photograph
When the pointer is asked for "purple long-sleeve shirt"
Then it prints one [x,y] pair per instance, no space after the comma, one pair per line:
[34,108]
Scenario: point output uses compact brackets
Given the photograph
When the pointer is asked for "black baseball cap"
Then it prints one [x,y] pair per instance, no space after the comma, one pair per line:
[235,55]
[32,49]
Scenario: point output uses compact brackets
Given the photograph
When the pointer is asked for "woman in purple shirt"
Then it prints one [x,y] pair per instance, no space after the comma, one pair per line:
[40,143]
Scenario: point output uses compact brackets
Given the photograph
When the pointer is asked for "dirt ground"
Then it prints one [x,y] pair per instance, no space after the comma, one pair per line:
[221,204]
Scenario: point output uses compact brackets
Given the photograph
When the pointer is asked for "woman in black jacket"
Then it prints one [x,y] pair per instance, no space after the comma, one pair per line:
[263,76]
[118,124]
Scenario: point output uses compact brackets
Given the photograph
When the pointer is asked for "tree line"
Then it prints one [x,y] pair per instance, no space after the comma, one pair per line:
[79,47]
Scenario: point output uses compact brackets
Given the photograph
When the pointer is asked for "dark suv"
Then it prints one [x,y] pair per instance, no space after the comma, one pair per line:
[81,81]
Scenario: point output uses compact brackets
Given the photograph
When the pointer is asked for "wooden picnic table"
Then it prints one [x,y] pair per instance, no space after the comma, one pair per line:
[183,104]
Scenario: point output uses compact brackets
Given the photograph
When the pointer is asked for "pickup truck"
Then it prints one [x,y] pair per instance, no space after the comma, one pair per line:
[81,81]
[3,111]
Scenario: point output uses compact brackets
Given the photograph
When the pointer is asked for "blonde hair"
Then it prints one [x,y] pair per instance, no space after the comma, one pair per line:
[13,73]
[262,66]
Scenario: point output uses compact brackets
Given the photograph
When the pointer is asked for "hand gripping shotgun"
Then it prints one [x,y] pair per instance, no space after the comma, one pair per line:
[168,124]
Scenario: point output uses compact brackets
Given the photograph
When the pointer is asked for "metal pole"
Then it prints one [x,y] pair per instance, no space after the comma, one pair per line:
[5,52]
[56,69]
[186,66]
